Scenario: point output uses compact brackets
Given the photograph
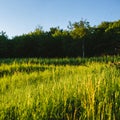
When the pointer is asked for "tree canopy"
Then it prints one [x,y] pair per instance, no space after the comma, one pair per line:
[79,40]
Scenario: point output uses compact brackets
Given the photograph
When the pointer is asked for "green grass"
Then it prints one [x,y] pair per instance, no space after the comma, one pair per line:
[60,89]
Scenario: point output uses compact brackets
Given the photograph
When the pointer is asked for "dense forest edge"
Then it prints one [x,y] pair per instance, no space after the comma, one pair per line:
[79,40]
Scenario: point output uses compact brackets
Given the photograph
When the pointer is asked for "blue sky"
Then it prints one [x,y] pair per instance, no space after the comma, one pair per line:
[23,16]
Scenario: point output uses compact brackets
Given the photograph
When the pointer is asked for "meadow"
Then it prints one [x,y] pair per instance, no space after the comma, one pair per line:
[60,89]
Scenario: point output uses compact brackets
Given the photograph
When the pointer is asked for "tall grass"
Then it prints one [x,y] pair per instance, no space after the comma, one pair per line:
[32,90]
[61,61]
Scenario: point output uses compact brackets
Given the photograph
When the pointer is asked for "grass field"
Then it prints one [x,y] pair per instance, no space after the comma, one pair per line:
[60,89]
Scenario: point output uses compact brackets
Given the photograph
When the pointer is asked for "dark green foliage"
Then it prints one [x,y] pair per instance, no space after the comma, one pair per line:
[81,40]
[3,44]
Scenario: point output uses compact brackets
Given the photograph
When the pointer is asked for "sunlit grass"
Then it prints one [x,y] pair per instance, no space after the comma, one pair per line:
[44,91]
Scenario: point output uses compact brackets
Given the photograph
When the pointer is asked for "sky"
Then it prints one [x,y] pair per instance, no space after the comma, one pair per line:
[19,17]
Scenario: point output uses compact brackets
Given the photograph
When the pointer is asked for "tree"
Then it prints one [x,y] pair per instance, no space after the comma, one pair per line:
[79,40]
[79,30]
[3,44]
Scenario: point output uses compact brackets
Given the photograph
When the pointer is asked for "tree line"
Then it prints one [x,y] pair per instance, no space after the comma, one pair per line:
[79,40]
